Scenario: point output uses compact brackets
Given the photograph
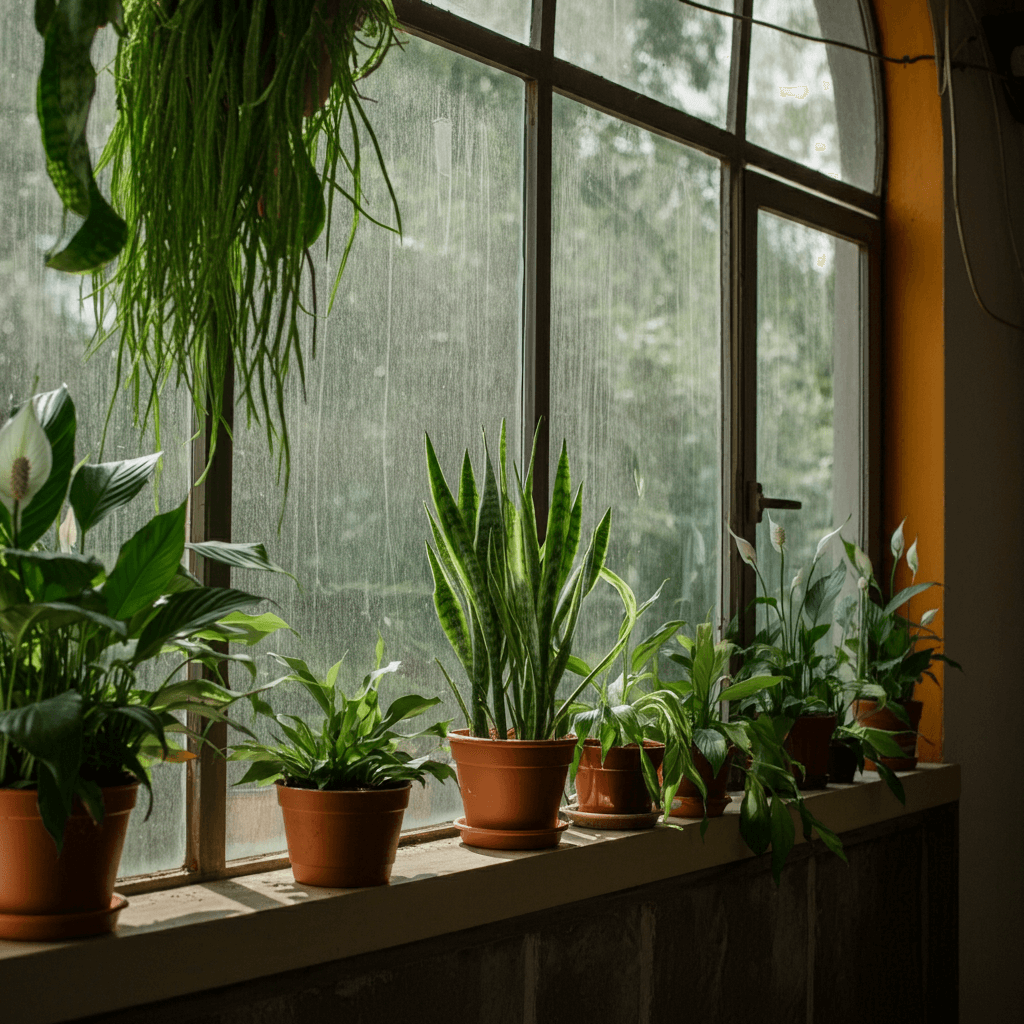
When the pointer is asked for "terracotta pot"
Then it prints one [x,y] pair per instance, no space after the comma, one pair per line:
[867,713]
[842,762]
[511,785]
[808,742]
[617,786]
[688,803]
[34,880]
[343,838]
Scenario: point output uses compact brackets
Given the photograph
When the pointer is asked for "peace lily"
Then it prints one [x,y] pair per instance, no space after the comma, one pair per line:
[745,548]
[777,534]
[25,461]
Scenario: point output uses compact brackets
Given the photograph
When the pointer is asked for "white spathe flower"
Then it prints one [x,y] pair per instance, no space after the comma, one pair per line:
[797,579]
[862,583]
[25,459]
[824,542]
[776,533]
[912,557]
[929,616]
[67,533]
[896,543]
[745,548]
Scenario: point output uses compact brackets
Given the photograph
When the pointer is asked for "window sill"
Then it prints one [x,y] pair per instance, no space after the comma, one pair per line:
[243,928]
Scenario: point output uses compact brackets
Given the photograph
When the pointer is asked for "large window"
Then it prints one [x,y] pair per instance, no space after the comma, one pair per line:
[649,226]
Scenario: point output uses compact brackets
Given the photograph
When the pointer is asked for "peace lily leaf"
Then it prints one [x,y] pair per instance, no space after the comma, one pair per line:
[63,575]
[97,490]
[245,629]
[241,556]
[783,835]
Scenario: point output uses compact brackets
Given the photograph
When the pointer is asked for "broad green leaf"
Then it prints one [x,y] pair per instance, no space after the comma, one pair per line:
[246,629]
[783,835]
[97,490]
[63,575]
[712,744]
[748,687]
[900,599]
[241,556]
[146,564]
[755,823]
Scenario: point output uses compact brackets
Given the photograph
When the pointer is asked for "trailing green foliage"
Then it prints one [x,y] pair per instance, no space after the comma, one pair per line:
[356,746]
[506,601]
[227,155]
[74,634]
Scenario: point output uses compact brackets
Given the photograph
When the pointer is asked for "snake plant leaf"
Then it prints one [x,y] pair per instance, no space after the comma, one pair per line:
[451,616]
[96,242]
[783,835]
[241,556]
[469,499]
[146,563]
[102,488]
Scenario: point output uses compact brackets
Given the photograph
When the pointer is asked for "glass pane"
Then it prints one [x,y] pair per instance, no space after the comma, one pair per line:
[44,330]
[661,48]
[636,358]
[814,104]
[425,335]
[509,17]
[809,392]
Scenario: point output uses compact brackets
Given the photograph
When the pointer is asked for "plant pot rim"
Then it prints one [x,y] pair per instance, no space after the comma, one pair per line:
[391,787]
[592,741]
[462,736]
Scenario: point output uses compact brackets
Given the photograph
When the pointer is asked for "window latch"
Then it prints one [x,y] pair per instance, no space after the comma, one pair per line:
[757,502]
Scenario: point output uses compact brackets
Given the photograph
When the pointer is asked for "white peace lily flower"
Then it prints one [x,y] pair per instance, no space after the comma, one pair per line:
[862,562]
[824,542]
[745,548]
[67,534]
[912,557]
[25,459]
[896,544]
[797,579]
[862,583]
[929,616]
[776,533]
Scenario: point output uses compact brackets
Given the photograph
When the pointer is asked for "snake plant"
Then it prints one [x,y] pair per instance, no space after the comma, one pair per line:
[509,603]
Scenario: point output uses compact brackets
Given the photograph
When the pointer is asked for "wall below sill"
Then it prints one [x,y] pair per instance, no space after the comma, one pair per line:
[649,897]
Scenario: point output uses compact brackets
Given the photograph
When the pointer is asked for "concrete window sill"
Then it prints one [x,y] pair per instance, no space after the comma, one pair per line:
[199,937]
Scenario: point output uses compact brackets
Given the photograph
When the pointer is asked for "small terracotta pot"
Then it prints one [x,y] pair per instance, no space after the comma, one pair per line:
[867,713]
[35,880]
[842,762]
[688,803]
[511,785]
[343,838]
[617,786]
[808,742]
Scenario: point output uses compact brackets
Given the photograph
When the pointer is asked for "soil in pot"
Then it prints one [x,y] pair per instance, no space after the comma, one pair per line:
[688,803]
[511,785]
[617,786]
[343,838]
[869,714]
[63,896]
[808,742]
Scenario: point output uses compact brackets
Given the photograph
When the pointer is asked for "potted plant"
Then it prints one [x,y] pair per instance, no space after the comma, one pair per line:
[77,723]
[616,764]
[342,788]
[890,653]
[690,715]
[509,606]
[790,645]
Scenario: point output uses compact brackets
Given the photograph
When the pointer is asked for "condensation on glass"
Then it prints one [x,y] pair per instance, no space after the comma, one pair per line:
[44,332]
[810,390]
[636,358]
[425,335]
[814,103]
[509,17]
[662,48]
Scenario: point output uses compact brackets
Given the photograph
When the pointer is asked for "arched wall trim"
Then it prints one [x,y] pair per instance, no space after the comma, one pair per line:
[913,380]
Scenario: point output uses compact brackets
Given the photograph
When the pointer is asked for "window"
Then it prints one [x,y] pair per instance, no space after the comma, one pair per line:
[653,226]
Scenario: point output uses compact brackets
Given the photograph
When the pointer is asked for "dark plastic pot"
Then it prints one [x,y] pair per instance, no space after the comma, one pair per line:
[343,838]
[808,742]
[688,803]
[617,786]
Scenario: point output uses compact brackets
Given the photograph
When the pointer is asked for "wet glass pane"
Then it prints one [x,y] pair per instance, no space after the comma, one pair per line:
[636,358]
[809,391]
[425,335]
[509,17]
[44,331]
[662,48]
[813,103]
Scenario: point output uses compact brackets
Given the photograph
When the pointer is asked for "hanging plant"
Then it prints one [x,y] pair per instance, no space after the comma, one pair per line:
[67,83]
[239,124]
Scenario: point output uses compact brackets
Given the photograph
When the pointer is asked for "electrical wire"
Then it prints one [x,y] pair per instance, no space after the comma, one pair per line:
[956,185]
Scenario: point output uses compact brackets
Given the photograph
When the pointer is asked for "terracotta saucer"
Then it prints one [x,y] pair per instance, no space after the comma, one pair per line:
[45,927]
[619,822]
[496,839]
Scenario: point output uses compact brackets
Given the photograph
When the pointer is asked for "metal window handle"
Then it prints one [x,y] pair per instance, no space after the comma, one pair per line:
[757,502]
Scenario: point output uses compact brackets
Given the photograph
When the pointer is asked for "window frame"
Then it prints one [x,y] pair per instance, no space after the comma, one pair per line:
[752,178]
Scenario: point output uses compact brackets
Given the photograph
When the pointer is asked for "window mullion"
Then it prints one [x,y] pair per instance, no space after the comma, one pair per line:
[209,519]
[737,114]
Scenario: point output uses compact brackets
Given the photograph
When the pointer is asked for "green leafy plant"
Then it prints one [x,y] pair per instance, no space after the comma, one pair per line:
[238,126]
[75,635]
[356,746]
[790,644]
[612,715]
[506,601]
